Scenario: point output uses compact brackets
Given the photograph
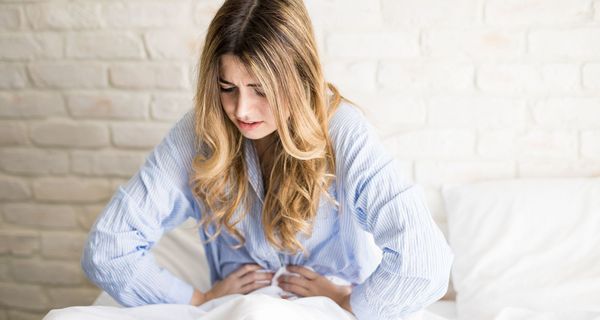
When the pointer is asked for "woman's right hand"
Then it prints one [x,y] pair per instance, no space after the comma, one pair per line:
[244,280]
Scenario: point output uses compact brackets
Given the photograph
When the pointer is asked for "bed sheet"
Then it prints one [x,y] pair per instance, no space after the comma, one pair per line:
[261,304]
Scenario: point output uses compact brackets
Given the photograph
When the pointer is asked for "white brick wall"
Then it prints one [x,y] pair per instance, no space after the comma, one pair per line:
[461,91]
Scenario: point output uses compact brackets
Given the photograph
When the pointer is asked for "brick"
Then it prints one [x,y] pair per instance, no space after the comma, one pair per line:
[35,271]
[66,297]
[150,75]
[351,15]
[351,76]
[64,245]
[13,76]
[572,43]
[170,106]
[591,76]
[12,189]
[555,169]
[479,43]
[477,112]
[424,144]
[509,79]
[105,45]
[138,135]
[426,77]
[437,173]
[4,270]
[24,46]
[561,78]
[530,145]
[20,242]
[204,11]
[33,161]
[548,145]
[567,112]
[68,75]
[590,144]
[40,215]
[145,14]
[183,44]
[105,164]
[69,134]
[373,45]
[71,190]
[497,144]
[64,16]
[31,104]
[391,113]
[87,215]
[534,12]
[108,105]
[23,296]
[429,13]
[10,17]
[12,133]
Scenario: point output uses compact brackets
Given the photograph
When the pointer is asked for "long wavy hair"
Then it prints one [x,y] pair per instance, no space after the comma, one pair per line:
[275,41]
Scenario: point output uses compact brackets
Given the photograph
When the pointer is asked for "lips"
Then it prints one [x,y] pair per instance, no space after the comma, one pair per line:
[249,125]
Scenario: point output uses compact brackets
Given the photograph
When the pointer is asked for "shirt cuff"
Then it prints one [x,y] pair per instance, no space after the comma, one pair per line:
[179,292]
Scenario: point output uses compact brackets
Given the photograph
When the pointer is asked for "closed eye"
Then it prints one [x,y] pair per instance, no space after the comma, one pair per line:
[227,89]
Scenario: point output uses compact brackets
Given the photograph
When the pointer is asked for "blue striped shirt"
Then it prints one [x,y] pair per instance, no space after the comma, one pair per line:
[381,238]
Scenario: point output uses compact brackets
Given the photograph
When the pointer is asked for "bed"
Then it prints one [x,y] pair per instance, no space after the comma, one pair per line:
[524,249]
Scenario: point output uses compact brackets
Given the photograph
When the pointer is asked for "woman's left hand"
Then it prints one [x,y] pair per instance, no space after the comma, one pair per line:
[308,283]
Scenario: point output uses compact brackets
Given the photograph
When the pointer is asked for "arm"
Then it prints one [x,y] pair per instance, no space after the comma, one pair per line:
[116,256]
[416,262]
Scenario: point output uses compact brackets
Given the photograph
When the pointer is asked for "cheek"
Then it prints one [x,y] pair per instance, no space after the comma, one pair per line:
[227,104]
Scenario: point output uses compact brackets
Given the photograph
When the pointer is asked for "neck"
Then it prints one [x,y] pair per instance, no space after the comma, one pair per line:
[263,145]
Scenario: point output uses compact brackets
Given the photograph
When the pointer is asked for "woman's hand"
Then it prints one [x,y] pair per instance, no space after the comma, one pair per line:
[244,280]
[308,283]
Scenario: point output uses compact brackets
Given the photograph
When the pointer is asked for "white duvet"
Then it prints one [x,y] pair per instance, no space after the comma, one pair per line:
[263,304]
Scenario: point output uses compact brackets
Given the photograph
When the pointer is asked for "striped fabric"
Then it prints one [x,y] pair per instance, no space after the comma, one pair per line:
[381,238]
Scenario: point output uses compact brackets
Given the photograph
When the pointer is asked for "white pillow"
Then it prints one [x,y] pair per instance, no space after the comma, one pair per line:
[531,244]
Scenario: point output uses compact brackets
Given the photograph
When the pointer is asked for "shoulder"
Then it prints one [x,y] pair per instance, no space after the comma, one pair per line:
[348,127]
[345,117]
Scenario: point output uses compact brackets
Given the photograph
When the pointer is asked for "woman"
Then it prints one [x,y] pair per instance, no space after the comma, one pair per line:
[280,171]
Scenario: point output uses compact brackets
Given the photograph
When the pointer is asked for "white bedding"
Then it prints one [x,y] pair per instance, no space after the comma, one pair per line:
[264,304]
[526,249]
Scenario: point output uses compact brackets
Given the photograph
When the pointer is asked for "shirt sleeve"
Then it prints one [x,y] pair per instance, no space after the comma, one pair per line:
[416,259]
[157,198]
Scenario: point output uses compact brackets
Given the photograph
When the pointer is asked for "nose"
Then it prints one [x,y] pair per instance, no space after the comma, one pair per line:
[243,107]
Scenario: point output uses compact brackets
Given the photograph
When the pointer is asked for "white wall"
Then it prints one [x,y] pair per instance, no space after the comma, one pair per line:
[461,91]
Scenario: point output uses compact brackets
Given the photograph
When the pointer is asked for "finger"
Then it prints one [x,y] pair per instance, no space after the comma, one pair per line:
[254,286]
[256,276]
[295,289]
[308,274]
[299,281]
[245,269]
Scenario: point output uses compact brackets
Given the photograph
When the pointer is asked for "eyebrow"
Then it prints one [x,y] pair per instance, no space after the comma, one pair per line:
[229,83]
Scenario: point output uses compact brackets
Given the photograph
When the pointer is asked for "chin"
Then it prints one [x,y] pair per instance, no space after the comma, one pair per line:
[254,135]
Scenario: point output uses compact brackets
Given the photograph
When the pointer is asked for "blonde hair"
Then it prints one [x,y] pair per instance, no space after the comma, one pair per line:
[274,40]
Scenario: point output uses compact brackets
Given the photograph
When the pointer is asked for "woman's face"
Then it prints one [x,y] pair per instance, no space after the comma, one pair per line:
[243,99]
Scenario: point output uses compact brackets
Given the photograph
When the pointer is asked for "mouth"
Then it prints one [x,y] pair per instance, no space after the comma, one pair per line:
[249,125]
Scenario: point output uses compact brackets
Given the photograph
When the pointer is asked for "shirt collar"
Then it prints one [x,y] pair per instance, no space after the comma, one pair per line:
[254,171]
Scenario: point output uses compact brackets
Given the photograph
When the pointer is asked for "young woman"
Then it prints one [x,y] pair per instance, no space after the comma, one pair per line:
[280,171]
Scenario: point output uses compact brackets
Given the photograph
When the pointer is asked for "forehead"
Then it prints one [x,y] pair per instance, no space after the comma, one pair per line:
[231,68]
